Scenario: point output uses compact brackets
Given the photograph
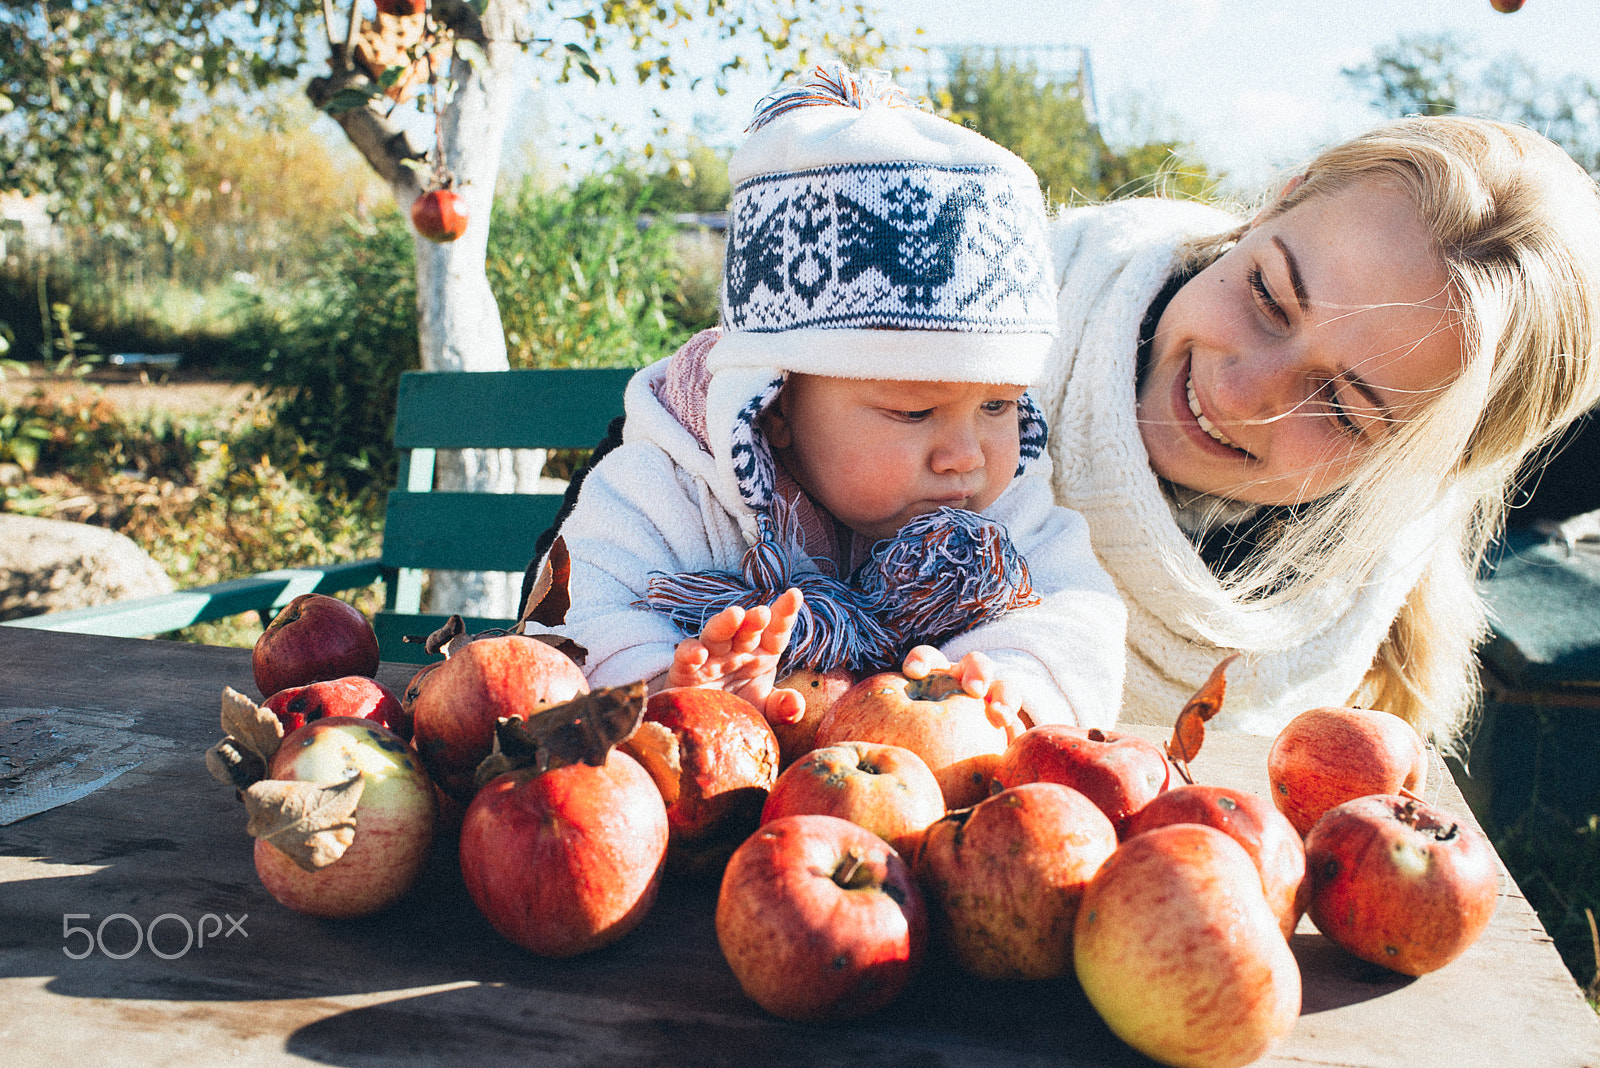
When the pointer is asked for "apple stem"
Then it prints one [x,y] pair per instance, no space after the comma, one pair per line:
[850,867]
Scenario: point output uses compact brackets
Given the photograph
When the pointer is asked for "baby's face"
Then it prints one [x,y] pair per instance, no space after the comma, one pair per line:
[877,454]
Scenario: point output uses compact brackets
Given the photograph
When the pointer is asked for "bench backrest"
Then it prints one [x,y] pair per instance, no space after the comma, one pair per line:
[425,528]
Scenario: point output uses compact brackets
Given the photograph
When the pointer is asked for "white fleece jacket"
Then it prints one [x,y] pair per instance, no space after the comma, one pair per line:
[1111,260]
[660,503]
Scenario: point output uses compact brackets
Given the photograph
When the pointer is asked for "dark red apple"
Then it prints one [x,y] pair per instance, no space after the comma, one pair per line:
[401,7]
[1506,7]
[1005,877]
[352,697]
[820,689]
[820,919]
[1328,756]
[1264,832]
[440,215]
[567,861]
[885,788]
[458,702]
[314,637]
[1399,883]
[1119,772]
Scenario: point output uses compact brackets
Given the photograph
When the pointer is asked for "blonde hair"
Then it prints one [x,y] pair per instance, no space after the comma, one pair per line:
[1517,225]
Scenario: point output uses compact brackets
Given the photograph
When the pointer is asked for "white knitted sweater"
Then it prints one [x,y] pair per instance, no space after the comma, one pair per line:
[1110,261]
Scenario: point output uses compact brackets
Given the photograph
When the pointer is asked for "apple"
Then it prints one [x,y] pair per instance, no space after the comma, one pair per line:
[459,701]
[1264,832]
[394,819]
[352,697]
[401,7]
[1005,877]
[314,637]
[1119,772]
[712,755]
[1177,950]
[439,215]
[1506,7]
[1328,756]
[933,717]
[887,789]
[1398,882]
[820,919]
[567,861]
[820,689]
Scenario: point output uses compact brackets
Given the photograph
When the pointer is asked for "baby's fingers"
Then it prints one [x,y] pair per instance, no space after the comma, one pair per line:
[922,661]
[722,628]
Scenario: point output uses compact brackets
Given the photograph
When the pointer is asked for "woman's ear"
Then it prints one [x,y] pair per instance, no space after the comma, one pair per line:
[1289,187]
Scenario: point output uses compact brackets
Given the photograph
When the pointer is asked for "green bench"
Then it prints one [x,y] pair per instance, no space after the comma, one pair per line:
[423,528]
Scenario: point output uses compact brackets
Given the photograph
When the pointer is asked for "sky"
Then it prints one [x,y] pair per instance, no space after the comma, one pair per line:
[1254,85]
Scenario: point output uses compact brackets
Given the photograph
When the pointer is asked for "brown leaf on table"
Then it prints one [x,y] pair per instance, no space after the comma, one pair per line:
[439,641]
[584,729]
[551,596]
[314,823]
[1190,730]
[253,727]
[233,765]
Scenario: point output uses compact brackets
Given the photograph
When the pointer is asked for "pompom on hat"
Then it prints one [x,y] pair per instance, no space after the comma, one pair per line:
[870,239]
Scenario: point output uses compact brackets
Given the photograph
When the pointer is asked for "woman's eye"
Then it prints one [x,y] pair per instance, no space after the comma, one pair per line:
[1263,295]
[1341,413]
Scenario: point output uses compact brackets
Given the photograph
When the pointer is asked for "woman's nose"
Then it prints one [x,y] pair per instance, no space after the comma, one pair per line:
[1258,385]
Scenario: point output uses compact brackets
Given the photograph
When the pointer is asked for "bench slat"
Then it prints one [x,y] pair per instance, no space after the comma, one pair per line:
[543,409]
[465,531]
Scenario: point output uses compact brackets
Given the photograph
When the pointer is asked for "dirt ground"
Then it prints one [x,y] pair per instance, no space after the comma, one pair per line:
[132,393]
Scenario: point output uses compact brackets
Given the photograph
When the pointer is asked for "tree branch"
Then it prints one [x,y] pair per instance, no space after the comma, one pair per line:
[381,143]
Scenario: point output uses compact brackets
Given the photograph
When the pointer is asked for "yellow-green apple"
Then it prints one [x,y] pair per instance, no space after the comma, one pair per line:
[393,819]
[820,919]
[1327,756]
[1399,883]
[1248,819]
[1120,772]
[566,861]
[712,756]
[1176,948]
[1005,876]
[314,637]
[819,689]
[352,697]
[458,702]
[887,789]
[933,717]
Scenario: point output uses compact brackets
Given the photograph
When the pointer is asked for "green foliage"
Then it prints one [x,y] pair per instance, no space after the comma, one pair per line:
[1042,119]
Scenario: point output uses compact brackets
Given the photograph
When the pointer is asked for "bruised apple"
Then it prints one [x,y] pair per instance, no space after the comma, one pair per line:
[1328,756]
[885,788]
[459,701]
[393,819]
[352,697]
[1399,883]
[567,861]
[933,717]
[1179,953]
[1005,877]
[819,690]
[1263,831]
[314,637]
[1119,772]
[820,919]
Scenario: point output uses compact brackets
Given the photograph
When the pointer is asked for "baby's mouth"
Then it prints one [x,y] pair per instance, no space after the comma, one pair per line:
[1200,417]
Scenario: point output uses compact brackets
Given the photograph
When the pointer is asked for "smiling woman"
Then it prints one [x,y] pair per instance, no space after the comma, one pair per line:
[1293,438]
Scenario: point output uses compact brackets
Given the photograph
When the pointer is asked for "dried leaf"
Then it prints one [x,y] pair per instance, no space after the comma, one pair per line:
[314,823]
[233,765]
[1189,733]
[551,596]
[439,641]
[574,652]
[584,729]
[251,726]
[656,747]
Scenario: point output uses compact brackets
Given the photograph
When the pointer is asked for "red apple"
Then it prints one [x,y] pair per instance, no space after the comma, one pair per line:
[933,717]
[712,755]
[567,861]
[1399,883]
[1506,7]
[1264,832]
[352,697]
[885,788]
[1119,772]
[1177,950]
[458,702]
[1328,756]
[820,919]
[401,7]
[394,819]
[1004,878]
[439,215]
[314,637]
[820,689]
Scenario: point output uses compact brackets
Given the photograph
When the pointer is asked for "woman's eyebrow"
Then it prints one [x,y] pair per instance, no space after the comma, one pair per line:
[1296,279]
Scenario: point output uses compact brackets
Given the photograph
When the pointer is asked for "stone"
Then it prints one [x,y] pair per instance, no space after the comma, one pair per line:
[50,565]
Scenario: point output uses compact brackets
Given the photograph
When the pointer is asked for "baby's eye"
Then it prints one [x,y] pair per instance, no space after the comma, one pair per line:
[917,416]
[999,407]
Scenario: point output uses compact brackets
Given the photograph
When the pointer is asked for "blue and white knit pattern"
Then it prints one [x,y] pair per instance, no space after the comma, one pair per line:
[906,246]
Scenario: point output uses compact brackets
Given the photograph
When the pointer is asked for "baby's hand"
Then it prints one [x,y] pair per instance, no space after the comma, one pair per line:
[738,651]
[978,676]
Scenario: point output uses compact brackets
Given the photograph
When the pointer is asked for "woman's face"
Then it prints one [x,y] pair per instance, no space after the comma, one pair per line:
[1275,369]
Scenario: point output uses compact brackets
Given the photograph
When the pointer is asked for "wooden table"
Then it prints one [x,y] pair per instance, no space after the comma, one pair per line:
[163,845]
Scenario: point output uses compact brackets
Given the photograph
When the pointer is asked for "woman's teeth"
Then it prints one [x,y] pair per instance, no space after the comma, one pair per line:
[1206,424]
